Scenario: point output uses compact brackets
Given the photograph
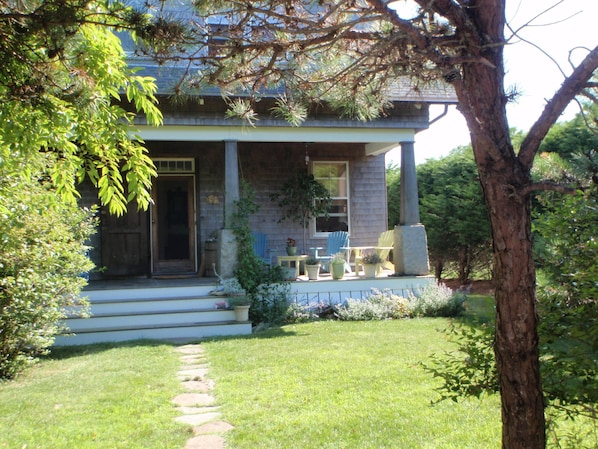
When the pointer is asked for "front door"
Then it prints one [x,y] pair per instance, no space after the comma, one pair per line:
[173,225]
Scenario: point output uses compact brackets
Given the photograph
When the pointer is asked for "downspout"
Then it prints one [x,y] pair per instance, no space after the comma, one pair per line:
[434,120]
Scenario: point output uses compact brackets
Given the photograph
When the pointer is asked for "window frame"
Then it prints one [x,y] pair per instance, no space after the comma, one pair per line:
[347,198]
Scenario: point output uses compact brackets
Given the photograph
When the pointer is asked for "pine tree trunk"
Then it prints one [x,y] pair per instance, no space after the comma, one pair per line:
[482,101]
[516,343]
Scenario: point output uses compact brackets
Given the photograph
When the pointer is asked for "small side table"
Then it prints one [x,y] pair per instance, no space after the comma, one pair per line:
[296,259]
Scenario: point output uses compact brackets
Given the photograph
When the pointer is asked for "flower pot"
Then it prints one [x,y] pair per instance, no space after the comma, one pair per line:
[291,250]
[242,313]
[289,273]
[369,270]
[338,270]
[313,271]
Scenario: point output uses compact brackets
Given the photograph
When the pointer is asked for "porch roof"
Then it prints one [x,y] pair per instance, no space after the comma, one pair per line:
[376,140]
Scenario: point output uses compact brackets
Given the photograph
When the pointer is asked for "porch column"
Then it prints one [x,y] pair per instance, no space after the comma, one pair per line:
[410,241]
[409,212]
[227,251]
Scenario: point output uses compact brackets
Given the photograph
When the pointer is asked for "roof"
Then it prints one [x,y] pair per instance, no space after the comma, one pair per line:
[169,76]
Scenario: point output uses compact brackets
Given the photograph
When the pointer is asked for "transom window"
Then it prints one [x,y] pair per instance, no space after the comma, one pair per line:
[174,165]
[334,176]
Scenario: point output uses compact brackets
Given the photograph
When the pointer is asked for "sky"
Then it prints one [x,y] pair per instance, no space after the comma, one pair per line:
[571,23]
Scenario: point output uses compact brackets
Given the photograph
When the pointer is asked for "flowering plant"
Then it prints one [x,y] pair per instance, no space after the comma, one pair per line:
[338,258]
[372,259]
[291,242]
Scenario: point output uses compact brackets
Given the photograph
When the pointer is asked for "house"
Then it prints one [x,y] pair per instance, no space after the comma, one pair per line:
[201,156]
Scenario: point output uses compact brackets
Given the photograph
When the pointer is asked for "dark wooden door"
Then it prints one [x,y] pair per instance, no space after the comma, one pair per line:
[125,243]
[173,225]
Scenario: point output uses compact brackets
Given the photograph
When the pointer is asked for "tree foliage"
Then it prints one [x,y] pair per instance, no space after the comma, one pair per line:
[454,213]
[566,253]
[63,77]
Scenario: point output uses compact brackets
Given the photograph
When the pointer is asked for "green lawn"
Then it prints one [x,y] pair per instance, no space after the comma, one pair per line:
[345,385]
[316,385]
[100,396]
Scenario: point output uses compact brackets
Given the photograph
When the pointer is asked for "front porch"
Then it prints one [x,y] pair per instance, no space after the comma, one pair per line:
[182,309]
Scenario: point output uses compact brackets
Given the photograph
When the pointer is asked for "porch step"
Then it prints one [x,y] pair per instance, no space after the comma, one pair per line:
[172,313]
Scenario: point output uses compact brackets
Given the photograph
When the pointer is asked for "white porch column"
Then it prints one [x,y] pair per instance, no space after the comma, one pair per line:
[227,251]
[410,240]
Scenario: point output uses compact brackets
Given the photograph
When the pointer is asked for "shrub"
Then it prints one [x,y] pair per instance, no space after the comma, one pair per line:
[270,304]
[437,300]
[42,257]
[379,305]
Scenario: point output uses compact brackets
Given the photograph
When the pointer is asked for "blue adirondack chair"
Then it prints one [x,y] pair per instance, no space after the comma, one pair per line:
[260,247]
[338,242]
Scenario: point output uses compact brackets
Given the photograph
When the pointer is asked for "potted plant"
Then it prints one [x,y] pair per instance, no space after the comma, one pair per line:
[371,262]
[240,304]
[337,266]
[291,247]
[312,265]
[302,198]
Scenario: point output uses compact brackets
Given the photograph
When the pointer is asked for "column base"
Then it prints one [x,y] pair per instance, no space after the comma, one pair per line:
[227,253]
[411,251]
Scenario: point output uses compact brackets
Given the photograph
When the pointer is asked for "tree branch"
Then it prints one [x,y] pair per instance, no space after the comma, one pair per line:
[546,186]
[571,87]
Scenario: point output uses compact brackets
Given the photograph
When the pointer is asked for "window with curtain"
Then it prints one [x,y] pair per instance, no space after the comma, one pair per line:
[335,177]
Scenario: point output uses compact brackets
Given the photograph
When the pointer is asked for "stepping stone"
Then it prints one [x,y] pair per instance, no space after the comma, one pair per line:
[192,374]
[196,410]
[196,420]
[212,427]
[206,442]
[195,385]
[190,349]
[192,399]
[193,367]
[193,358]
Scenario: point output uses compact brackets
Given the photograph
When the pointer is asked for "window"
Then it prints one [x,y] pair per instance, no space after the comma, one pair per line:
[174,165]
[335,177]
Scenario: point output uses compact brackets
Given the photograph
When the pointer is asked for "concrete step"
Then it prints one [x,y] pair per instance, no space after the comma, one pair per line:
[180,333]
[150,318]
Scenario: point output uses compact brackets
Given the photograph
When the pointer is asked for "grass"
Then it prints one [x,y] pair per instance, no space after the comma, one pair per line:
[345,385]
[99,396]
[316,385]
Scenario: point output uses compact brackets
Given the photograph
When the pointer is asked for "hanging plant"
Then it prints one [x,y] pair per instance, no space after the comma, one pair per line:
[301,199]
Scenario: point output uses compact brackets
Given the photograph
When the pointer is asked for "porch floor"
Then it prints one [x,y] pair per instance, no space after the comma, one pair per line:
[189,281]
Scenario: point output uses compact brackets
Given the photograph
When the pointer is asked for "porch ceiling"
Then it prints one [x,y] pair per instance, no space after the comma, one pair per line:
[377,140]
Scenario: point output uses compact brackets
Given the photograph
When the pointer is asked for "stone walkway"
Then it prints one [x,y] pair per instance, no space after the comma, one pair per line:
[197,406]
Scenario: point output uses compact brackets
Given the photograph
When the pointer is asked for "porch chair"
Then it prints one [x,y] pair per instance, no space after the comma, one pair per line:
[338,242]
[260,247]
[383,247]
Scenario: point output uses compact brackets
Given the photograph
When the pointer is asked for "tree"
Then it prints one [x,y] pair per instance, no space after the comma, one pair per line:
[453,210]
[62,74]
[62,119]
[349,54]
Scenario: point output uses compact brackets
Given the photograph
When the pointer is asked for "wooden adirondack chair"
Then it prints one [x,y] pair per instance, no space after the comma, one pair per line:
[383,247]
[260,247]
[338,242]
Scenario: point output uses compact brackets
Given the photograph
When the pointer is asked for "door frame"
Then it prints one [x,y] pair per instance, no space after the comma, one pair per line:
[178,266]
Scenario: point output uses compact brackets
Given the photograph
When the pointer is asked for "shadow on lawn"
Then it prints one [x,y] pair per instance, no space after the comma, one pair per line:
[66,352]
